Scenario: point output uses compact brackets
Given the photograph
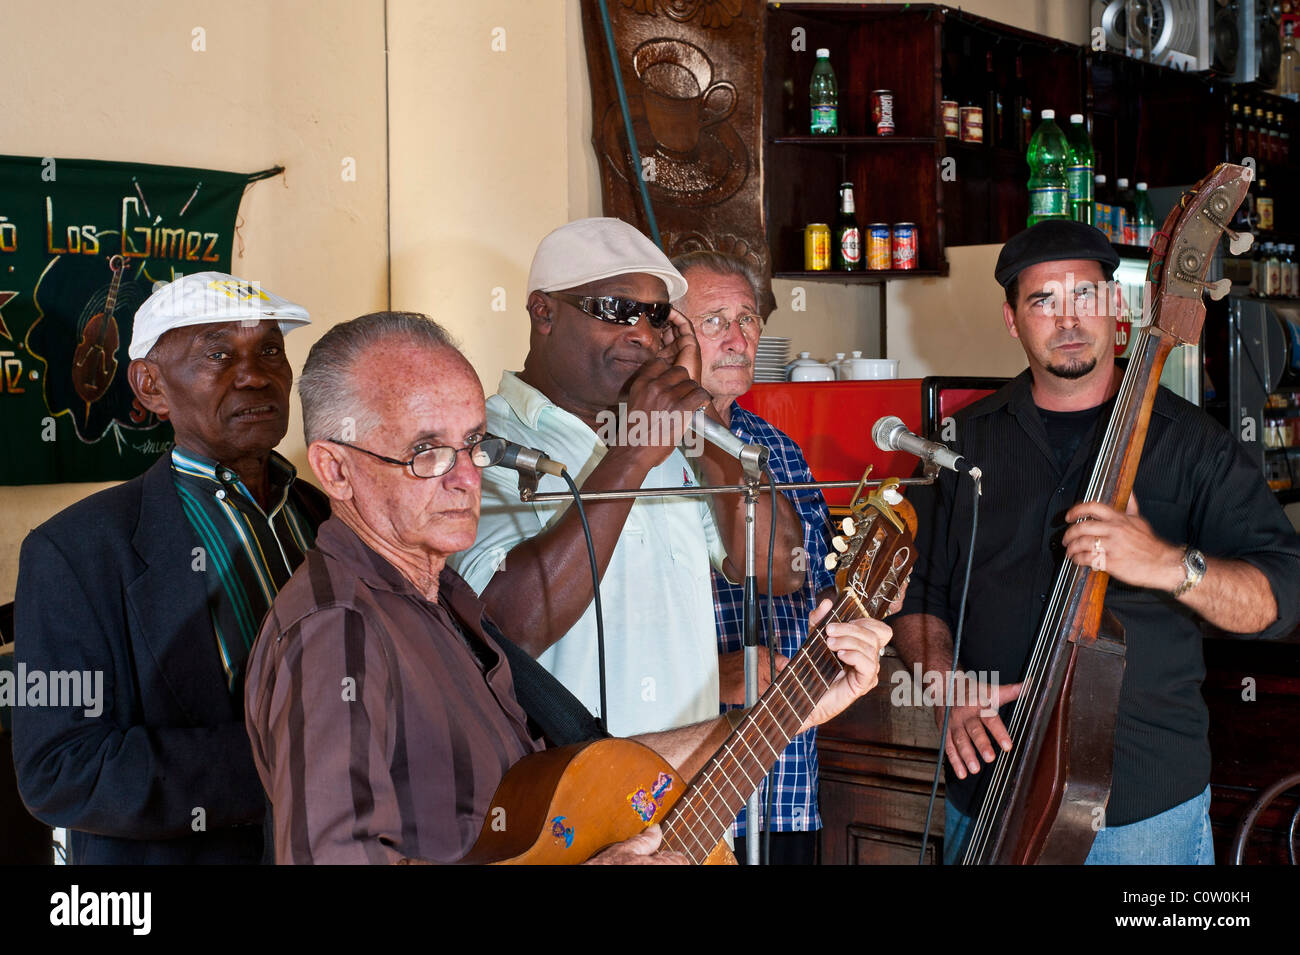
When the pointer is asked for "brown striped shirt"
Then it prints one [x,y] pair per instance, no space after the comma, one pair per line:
[381,722]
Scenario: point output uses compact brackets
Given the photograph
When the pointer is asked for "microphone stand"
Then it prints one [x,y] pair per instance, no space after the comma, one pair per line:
[750,489]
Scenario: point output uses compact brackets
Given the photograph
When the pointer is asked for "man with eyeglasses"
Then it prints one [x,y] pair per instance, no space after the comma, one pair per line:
[605,342]
[722,305]
[381,697]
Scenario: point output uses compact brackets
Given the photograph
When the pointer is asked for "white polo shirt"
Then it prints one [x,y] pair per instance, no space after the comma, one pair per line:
[661,652]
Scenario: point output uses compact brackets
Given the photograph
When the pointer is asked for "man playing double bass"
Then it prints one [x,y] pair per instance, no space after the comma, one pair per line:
[1203,539]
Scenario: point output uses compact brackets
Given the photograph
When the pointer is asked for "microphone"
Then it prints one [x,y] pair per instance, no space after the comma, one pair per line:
[752,457]
[530,462]
[890,434]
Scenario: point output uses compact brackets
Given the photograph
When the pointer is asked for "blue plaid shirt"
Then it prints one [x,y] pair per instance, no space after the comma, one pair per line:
[794,800]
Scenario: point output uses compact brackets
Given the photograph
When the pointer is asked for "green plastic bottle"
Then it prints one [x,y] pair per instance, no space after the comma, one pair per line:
[824,97]
[1145,215]
[1079,170]
[1049,188]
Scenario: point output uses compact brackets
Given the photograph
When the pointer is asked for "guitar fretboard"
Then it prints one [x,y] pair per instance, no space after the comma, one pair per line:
[705,813]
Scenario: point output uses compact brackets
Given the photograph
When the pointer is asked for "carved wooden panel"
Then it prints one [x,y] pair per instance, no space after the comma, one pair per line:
[692,70]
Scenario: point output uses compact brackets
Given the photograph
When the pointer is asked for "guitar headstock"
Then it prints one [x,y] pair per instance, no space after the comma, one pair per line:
[1190,235]
[874,552]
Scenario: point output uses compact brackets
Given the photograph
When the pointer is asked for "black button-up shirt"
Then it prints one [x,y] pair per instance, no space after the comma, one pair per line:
[1194,484]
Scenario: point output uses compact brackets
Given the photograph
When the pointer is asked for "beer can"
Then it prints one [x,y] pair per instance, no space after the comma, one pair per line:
[882,111]
[904,245]
[951,119]
[972,124]
[817,247]
[878,246]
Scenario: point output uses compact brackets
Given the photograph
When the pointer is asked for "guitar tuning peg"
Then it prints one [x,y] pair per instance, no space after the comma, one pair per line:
[839,544]
[830,561]
[848,526]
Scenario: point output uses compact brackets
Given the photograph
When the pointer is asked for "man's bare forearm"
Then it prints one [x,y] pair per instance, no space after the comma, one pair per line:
[719,469]
[1234,596]
[924,639]
[545,585]
[688,748]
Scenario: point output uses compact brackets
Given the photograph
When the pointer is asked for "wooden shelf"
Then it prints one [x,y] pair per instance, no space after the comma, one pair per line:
[853,141]
[863,277]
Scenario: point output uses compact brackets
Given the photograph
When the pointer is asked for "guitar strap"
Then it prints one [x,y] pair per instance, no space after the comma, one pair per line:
[552,709]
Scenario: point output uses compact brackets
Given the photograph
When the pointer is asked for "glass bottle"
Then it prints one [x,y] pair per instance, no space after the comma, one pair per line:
[846,245]
[1079,170]
[1288,73]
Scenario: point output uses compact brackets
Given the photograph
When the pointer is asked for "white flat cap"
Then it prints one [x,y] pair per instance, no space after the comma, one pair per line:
[588,250]
[208,298]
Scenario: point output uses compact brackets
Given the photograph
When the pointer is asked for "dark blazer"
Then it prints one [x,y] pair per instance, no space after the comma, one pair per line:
[107,585]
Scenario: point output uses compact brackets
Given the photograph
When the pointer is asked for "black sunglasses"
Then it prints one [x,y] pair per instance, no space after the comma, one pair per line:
[618,311]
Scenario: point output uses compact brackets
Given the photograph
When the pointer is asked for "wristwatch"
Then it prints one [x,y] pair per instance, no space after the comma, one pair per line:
[1194,568]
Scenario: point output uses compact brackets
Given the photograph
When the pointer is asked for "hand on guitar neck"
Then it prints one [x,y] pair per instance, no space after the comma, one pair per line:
[857,644]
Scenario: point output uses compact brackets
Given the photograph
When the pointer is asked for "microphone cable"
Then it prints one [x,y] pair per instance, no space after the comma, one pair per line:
[976,492]
[595,590]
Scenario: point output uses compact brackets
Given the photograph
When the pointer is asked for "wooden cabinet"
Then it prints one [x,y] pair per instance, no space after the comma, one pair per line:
[877,764]
[1147,123]
[895,178]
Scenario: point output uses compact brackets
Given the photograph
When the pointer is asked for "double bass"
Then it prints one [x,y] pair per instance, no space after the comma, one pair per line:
[1047,796]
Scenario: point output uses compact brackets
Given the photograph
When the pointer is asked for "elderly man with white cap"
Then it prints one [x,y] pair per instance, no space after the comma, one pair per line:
[155,589]
[609,362]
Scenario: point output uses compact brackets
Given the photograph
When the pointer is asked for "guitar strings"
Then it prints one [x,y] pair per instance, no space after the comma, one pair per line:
[814,664]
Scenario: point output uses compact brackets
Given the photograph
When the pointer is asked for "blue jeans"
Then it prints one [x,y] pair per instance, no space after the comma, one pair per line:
[1177,836]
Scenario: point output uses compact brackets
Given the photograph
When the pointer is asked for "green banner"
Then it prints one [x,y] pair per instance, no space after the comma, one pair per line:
[75,234]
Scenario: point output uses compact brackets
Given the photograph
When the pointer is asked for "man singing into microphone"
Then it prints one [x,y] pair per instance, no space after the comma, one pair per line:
[605,344]
[1202,540]
[722,305]
[381,698]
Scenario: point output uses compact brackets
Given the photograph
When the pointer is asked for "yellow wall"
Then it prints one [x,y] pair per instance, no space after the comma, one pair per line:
[298,83]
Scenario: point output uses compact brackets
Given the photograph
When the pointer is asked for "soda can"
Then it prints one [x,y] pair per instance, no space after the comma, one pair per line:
[951,119]
[904,245]
[817,247]
[972,124]
[878,246]
[882,111]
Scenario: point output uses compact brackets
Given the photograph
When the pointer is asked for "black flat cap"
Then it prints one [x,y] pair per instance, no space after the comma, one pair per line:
[1053,240]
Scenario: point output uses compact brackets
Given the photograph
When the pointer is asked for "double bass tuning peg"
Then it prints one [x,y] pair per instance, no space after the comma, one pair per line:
[1239,242]
[1216,290]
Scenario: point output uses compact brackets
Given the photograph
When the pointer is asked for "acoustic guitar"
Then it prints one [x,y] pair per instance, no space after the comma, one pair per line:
[562,806]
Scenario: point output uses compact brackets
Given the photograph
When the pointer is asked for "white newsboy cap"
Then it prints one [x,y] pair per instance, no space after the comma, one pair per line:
[207,298]
[587,250]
